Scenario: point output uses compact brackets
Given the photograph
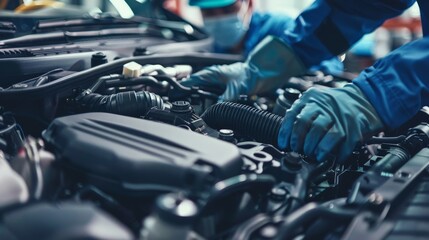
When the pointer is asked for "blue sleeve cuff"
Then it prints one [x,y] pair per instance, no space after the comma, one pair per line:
[385,100]
[330,27]
[397,85]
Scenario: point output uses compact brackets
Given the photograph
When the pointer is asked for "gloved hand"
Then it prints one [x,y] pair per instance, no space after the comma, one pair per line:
[329,122]
[267,68]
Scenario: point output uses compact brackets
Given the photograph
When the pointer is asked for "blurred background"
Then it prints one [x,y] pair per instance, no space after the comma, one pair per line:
[391,35]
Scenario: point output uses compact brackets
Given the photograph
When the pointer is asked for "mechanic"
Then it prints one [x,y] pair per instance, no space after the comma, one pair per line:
[331,122]
[237,29]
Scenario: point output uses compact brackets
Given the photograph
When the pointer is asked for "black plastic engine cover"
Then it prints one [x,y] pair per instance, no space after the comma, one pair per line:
[62,221]
[117,152]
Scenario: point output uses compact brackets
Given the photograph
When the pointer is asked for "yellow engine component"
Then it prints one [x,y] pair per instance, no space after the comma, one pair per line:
[35,5]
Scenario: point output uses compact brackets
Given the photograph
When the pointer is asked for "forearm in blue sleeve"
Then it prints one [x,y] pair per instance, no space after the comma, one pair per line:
[330,27]
[398,85]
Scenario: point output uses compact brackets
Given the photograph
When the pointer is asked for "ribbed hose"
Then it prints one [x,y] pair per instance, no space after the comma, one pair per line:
[125,103]
[244,120]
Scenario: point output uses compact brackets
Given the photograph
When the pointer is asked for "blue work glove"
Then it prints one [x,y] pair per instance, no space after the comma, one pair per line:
[329,122]
[267,68]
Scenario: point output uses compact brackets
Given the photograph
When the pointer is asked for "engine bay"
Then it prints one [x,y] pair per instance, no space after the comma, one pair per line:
[101,145]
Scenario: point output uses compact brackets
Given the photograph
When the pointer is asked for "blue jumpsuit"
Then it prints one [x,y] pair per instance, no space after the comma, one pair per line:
[264,24]
[397,85]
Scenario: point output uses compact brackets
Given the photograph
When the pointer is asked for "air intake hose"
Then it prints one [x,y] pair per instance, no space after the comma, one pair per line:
[244,120]
[125,103]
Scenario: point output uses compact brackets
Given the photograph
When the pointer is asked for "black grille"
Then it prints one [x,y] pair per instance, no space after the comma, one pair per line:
[46,51]
[15,53]
[413,222]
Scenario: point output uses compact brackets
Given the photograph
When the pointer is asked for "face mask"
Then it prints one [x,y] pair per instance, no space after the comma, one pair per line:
[227,31]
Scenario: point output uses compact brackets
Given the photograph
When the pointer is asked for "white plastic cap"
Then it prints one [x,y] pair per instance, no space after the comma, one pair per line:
[132,70]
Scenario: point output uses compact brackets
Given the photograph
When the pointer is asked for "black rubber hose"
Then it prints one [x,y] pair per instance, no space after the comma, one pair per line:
[244,120]
[309,213]
[381,140]
[125,103]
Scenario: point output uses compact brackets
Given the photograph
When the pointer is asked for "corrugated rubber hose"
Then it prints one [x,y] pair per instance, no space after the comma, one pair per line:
[129,103]
[244,120]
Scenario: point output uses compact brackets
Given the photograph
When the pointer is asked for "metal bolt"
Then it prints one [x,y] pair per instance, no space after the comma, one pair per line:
[227,135]
[278,194]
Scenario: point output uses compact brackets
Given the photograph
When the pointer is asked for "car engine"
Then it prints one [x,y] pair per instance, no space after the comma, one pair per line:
[98,142]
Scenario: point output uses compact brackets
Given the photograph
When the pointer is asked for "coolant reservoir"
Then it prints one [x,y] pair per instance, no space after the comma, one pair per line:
[173,217]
